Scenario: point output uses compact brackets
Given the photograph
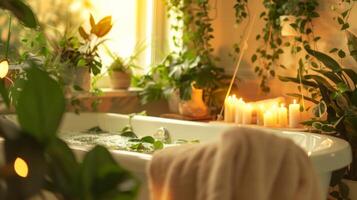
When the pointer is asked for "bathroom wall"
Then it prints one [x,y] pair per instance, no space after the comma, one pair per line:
[227,33]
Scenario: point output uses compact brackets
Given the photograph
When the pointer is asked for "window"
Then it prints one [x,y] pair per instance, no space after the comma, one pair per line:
[134,22]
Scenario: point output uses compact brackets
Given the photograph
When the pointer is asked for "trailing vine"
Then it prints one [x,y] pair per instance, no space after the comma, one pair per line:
[342,18]
[267,56]
[192,62]
[241,13]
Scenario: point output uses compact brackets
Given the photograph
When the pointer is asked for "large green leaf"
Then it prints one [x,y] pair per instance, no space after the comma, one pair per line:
[4,93]
[63,168]
[325,59]
[352,44]
[101,175]
[22,11]
[297,81]
[351,74]
[330,75]
[41,105]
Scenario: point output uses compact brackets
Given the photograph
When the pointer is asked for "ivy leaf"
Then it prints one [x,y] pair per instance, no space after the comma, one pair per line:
[41,105]
[341,54]
[345,26]
[254,58]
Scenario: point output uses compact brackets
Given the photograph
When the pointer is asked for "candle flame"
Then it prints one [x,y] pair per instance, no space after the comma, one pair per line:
[21,167]
[295,101]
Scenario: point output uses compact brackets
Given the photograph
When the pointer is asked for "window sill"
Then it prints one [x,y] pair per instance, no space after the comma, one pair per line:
[108,93]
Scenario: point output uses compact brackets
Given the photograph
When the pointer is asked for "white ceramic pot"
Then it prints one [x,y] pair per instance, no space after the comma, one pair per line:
[352,185]
[82,78]
[120,80]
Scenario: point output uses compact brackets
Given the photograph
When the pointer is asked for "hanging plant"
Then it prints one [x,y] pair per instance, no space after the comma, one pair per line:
[241,13]
[267,56]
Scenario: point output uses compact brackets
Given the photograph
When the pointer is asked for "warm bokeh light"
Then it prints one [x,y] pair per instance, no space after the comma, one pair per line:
[21,167]
[4,68]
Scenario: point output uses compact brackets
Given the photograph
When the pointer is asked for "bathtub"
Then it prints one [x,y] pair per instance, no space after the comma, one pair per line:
[326,153]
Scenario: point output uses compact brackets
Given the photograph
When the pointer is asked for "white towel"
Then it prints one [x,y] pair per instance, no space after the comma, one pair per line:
[245,164]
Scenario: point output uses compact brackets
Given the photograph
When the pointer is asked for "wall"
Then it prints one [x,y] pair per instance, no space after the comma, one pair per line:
[226,33]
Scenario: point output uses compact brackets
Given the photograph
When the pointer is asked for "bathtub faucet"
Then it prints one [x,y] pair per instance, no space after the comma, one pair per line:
[163,135]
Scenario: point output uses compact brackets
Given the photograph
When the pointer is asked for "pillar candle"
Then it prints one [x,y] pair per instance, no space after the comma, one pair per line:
[283,116]
[269,119]
[229,109]
[294,115]
[275,110]
[247,114]
[239,111]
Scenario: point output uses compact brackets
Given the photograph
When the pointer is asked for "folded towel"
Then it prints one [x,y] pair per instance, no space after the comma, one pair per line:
[245,164]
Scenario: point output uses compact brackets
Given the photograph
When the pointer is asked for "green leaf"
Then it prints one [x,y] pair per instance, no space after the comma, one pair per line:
[351,74]
[330,75]
[345,26]
[4,93]
[148,139]
[341,54]
[130,134]
[41,106]
[22,11]
[63,168]
[101,175]
[305,97]
[297,81]
[325,59]
[158,145]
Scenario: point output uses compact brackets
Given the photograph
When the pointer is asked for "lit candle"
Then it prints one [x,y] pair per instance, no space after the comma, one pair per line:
[247,114]
[294,115]
[269,119]
[229,108]
[240,104]
[283,116]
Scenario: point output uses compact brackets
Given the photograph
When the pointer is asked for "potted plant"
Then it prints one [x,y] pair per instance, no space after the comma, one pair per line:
[333,89]
[120,74]
[120,71]
[81,54]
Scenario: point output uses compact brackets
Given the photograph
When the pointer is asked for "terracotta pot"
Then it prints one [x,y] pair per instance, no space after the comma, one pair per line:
[353,188]
[173,101]
[82,78]
[120,80]
[194,107]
